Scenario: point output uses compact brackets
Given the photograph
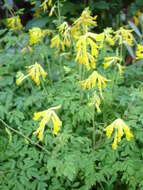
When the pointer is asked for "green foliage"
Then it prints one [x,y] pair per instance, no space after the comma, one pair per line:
[79,157]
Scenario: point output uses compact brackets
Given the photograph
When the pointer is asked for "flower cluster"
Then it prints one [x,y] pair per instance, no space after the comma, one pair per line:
[34,71]
[139,52]
[46,4]
[91,81]
[63,39]
[115,61]
[14,23]
[124,36]
[36,34]
[47,116]
[120,128]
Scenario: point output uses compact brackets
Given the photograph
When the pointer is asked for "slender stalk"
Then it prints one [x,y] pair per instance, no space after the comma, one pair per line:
[59,14]
[50,73]
[43,85]
[93,125]
[80,78]
[25,137]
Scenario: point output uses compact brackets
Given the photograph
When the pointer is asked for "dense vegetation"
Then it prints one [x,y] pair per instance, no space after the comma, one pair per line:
[71,95]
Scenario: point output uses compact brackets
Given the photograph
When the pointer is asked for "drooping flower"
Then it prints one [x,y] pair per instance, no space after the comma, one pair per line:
[115,60]
[47,116]
[46,4]
[108,32]
[63,39]
[95,100]
[111,60]
[120,129]
[35,71]
[139,52]
[20,77]
[137,17]
[92,80]
[84,21]
[36,35]
[124,36]
[14,23]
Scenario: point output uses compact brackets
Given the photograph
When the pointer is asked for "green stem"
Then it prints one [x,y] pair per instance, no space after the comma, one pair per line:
[50,73]
[93,125]
[80,78]
[43,85]
[59,14]
[25,137]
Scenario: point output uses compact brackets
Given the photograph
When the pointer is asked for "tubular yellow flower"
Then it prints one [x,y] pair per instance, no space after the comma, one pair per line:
[108,32]
[35,71]
[114,145]
[137,17]
[20,77]
[55,41]
[46,116]
[124,36]
[36,35]
[109,131]
[95,100]
[120,128]
[83,56]
[85,21]
[139,52]
[91,81]
[111,60]
[45,5]
[14,23]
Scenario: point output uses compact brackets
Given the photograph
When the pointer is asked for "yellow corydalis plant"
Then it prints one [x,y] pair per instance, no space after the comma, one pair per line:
[108,36]
[46,4]
[34,71]
[14,23]
[63,39]
[124,36]
[84,22]
[115,60]
[95,101]
[139,52]
[36,35]
[137,17]
[120,129]
[95,79]
[47,116]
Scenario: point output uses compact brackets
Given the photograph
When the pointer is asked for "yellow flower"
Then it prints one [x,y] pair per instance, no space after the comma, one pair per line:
[137,17]
[124,36]
[108,32]
[91,81]
[45,5]
[20,77]
[47,116]
[114,145]
[111,60]
[35,71]
[95,100]
[55,41]
[14,23]
[120,129]
[83,55]
[85,21]
[63,39]
[120,67]
[139,52]
[36,35]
